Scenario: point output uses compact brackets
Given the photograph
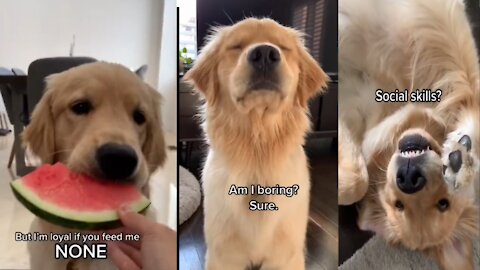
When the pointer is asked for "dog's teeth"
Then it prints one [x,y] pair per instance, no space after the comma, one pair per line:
[412,153]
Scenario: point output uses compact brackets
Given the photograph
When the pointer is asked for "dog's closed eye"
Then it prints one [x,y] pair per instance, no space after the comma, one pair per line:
[284,48]
[236,46]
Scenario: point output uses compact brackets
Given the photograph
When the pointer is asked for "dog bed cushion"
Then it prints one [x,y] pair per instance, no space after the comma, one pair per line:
[190,194]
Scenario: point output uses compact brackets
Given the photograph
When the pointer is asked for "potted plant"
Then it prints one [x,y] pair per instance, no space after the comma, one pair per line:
[185,62]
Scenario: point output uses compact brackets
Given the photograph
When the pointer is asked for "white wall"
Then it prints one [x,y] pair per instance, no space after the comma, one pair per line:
[123,31]
[167,82]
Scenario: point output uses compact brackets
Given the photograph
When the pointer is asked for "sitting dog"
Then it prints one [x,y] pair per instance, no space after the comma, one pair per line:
[102,120]
[256,78]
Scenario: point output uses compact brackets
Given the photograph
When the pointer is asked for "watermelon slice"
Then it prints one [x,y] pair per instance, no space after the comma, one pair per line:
[76,201]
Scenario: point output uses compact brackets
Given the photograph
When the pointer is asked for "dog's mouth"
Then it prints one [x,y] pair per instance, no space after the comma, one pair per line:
[412,146]
[261,91]
[263,84]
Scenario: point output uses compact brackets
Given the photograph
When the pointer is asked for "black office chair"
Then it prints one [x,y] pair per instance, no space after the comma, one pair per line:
[8,92]
[5,90]
[42,68]
[38,70]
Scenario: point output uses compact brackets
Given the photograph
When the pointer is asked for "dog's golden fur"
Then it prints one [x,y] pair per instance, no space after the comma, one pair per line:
[410,45]
[255,138]
[56,134]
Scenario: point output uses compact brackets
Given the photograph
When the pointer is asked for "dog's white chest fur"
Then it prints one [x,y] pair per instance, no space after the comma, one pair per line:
[254,236]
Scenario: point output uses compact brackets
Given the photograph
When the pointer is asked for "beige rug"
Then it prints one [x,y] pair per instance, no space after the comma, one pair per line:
[377,255]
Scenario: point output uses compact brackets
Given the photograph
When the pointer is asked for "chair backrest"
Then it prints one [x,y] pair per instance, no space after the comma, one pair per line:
[18,72]
[6,93]
[42,68]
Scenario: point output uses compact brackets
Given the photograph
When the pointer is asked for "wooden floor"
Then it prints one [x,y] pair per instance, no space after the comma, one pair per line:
[322,234]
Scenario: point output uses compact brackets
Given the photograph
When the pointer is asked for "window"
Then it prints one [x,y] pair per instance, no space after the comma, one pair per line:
[188,27]
[309,18]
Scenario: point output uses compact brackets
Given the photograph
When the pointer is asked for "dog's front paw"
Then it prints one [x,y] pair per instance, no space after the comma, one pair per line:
[460,165]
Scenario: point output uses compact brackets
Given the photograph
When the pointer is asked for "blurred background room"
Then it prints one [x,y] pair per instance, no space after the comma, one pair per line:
[38,38]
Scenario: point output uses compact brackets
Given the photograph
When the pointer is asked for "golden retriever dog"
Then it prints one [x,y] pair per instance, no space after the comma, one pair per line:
[256,78]
[414,166]
[100,119]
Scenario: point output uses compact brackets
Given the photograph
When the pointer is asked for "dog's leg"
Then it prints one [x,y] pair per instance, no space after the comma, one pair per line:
[217,261]
[282,260]
[296,262]
[352,171]
[42,252]
[38,260]
[460,159]
[462,172]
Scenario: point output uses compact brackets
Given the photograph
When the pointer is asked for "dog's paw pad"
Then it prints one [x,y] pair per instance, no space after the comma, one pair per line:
[455,160]
[466,141]
[459,169]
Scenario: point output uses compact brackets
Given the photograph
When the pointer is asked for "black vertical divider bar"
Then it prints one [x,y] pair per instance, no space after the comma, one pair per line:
[178,143]
[335,139]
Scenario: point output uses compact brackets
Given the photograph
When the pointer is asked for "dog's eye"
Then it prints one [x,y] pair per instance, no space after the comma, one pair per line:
[443,205]
[138,117]
[399,205]
[81,107]
[236,47]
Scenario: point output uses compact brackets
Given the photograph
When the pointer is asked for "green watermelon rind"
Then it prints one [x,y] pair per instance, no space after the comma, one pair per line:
[82,220]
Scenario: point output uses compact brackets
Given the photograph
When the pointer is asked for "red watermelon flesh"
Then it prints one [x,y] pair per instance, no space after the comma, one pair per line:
[73,200]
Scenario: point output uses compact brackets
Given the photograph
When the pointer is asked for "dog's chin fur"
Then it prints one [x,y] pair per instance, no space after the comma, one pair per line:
[260,101]
[265,127]
[256,137]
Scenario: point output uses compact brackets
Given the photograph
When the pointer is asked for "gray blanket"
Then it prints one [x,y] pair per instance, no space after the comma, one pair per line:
[376,254]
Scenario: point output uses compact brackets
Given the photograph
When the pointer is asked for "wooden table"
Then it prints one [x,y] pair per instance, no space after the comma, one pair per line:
[17,84]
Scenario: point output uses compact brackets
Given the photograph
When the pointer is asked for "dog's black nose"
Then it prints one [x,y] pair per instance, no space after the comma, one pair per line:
[410,179]
[264,57]
[116,161]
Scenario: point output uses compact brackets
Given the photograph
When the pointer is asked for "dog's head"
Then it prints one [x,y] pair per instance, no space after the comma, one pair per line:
[256,64]
[419,208]
[100,119]
[412,204]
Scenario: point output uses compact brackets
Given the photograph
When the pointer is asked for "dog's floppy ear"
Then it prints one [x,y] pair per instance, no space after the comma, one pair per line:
[154,146]
[312,79]
[458,253]
[371,217]
[203,75]
[142,71]
[39,135]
